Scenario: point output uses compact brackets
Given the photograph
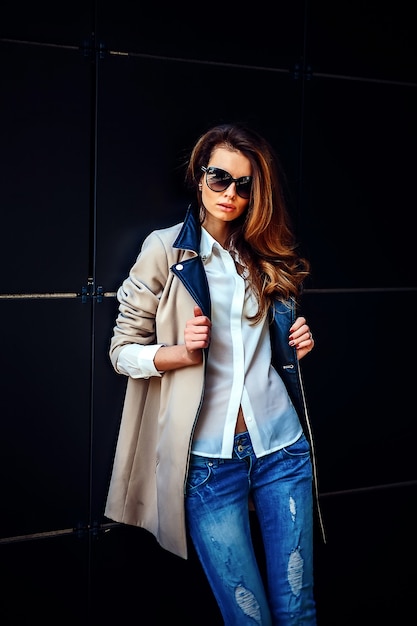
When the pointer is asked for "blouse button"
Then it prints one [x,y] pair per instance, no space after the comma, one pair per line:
[179,266]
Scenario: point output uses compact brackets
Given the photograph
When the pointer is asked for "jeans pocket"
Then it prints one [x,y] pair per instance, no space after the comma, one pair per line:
[301,447]
[198,475]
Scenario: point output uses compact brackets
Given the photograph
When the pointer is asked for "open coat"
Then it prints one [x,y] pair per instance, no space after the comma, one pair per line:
[147,486]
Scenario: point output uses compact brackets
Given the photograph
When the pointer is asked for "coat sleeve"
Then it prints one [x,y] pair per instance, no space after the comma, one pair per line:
[139,296]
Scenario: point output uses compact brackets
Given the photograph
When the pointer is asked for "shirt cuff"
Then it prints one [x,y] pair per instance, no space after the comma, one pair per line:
[137,361]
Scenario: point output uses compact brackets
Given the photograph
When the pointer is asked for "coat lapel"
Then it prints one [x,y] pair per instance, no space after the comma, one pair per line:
[191,271]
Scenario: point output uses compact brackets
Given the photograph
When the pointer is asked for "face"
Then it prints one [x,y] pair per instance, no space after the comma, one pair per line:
[225,206]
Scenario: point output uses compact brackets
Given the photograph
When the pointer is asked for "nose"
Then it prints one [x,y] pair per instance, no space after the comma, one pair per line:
[231,189]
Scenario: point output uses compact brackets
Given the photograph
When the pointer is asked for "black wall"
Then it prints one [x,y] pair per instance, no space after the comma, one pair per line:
[99,105]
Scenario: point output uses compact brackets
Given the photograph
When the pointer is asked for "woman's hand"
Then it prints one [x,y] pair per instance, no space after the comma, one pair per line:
[301,337]
[197,335]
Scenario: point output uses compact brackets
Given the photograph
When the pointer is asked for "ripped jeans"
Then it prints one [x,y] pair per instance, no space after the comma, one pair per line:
[216,502]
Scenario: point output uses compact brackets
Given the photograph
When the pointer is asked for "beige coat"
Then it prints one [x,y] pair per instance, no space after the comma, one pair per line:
[148,480]
[147,486]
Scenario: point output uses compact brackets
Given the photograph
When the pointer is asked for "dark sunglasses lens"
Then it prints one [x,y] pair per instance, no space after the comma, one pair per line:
[243,188]
[217,179]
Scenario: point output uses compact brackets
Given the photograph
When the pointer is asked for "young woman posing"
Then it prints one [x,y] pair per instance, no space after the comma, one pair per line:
[215,419]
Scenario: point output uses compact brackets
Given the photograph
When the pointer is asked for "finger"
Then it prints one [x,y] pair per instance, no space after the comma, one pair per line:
[297,324]
[197,311]
[301,338]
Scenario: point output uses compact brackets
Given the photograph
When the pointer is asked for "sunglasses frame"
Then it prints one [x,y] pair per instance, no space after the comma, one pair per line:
[243,180]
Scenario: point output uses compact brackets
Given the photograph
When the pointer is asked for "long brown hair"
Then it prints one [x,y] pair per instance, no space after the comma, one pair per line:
[263,237]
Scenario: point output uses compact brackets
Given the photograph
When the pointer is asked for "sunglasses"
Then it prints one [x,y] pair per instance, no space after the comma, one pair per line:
[219,180]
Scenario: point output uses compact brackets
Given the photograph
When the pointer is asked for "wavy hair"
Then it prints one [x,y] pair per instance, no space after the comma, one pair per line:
[263,236]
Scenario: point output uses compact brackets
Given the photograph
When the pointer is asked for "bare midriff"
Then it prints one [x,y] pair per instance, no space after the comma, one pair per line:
[240,423]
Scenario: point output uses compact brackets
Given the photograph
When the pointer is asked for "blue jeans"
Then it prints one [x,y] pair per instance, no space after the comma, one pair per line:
[216,502]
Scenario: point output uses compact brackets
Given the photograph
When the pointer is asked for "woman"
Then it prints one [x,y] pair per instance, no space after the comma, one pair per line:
[214,419]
